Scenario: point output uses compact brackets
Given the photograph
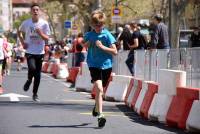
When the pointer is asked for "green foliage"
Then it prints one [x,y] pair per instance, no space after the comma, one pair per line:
[11,40]
[19,20]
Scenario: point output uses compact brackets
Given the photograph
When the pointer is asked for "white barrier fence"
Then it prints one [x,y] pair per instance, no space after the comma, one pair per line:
[148,62]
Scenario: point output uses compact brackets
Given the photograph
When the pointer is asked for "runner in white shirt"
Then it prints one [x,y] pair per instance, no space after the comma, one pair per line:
[36,32]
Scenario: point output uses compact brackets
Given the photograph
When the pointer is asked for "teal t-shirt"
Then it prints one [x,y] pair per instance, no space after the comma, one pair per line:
[96,57]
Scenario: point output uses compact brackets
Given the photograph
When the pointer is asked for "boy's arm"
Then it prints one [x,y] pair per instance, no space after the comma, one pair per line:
[21,39]
[112,49]
[42,34]
[135,44]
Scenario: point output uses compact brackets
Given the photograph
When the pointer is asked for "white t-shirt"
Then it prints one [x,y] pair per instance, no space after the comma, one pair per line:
[1,49]
[34,41]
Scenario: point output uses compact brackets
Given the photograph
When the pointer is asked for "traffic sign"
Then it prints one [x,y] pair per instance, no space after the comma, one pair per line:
[116,11]
[67,24]
[116,14]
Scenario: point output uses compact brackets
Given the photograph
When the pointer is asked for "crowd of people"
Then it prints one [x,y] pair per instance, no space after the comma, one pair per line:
[130,38]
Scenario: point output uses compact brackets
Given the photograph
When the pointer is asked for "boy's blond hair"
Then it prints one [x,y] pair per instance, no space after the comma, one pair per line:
[98,17]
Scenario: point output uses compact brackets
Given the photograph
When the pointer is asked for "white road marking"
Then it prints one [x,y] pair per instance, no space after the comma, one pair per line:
[14,97]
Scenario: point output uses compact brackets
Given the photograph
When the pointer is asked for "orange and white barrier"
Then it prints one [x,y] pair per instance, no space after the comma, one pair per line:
[148,98]
[130,92]
[193,120]
[168,81]
[137,90]
[45,67]
[73,72]
[49,69]
[62,72]
[141,96]
[117,88]
[54,69]
[180,106]
[83,81]
[1,90]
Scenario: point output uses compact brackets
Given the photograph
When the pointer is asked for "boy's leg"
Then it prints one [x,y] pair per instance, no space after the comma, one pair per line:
[130,63]
[99,95]
[99,103]
[37,74]
[31,71]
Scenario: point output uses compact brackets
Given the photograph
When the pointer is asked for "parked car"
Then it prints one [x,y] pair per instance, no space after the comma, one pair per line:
[184,38]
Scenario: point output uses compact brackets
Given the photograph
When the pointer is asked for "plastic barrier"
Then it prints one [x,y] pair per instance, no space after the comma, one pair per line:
[180,107]
[83,81]
[45,67]
[1,90]
[49,69]
[73,72]
[62,72]
[141,96]
[152,90]
[168,81]
[117,88]
[159,107]
[129,90]
[54,69]
[136,93]
[193,121]
[132,92]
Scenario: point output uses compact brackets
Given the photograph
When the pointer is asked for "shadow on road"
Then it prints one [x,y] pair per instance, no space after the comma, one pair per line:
[83,125]
[138,119]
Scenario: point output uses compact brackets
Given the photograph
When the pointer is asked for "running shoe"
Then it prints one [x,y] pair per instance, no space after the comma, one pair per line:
[35,98]
[101,121]
[27,85]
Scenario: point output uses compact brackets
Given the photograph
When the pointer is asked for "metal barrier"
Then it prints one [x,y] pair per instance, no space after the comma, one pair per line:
[193,67]
[148,62]
[119,63]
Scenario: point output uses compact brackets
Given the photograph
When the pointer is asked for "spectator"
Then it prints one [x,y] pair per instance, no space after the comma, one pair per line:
[195,37]
[160,38]
[125,38]
[7,56]
[79,50]
[135,43]
[20,55]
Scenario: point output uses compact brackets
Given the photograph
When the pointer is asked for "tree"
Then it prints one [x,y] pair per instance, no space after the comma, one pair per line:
[177,8]
[20,19]
[53,15]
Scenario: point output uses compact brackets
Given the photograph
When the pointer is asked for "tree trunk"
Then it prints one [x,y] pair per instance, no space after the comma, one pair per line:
[52,26]
[177,8]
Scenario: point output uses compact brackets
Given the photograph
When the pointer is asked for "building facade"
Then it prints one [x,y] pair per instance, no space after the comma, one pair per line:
[5,15]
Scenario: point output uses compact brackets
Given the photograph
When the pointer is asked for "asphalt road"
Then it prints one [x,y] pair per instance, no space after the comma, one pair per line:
[62,110]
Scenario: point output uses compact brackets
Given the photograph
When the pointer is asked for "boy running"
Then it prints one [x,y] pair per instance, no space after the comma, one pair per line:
[101,48]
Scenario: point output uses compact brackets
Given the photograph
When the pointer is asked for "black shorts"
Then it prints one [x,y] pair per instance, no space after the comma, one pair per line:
[100,74]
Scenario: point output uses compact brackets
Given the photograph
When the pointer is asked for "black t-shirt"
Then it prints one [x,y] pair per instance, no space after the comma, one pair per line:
[126,38]
[141,41]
